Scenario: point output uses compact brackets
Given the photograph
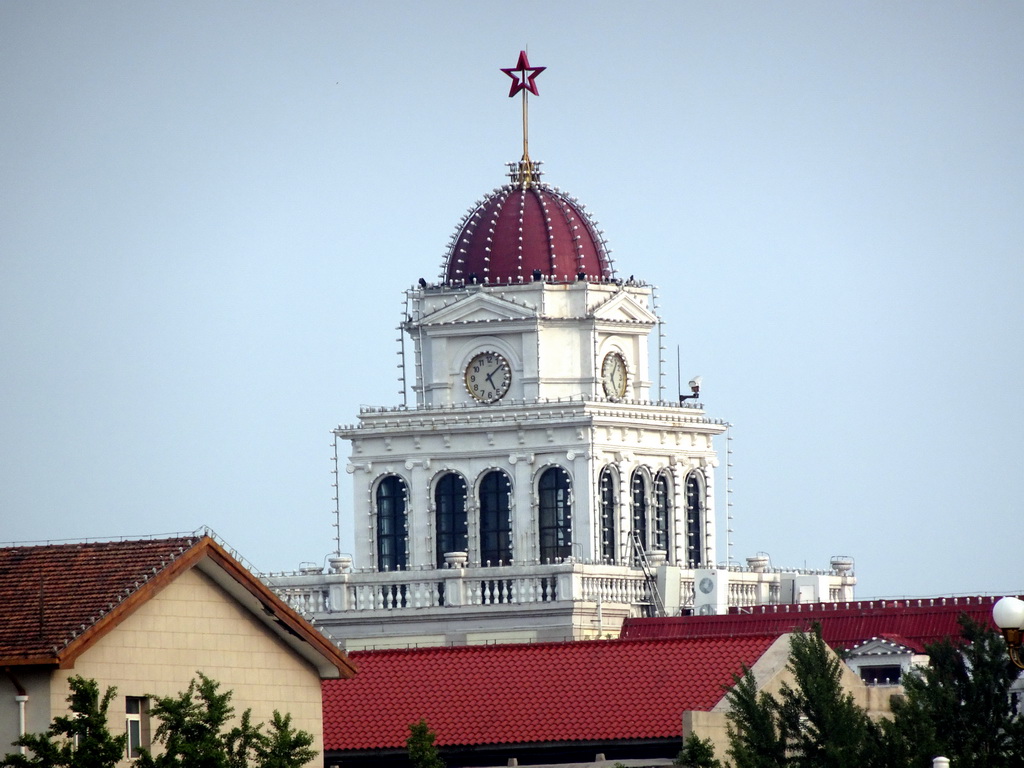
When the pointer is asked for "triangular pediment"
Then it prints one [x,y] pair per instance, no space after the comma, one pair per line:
[879,646]
[478,307]
[623,308]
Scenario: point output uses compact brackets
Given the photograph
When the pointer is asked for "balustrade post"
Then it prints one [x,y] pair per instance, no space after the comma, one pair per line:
[569,585]
[338,594]
[455,586]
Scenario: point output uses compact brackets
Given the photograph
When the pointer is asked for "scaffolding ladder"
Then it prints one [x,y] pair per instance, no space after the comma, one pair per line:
[656,607]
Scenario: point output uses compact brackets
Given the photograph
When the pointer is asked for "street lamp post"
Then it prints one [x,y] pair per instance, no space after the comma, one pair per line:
[1008,615]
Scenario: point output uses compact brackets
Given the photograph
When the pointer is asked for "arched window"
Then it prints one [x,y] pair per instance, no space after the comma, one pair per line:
[392,553]
[608,489]
[638,495]
[555,513]
[662,510]
[495,518]
[450,505]
[694,519]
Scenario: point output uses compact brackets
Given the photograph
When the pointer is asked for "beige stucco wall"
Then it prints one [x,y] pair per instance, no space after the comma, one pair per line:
[193,625]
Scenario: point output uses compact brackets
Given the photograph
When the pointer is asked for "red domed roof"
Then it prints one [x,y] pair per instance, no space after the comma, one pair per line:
[520,228]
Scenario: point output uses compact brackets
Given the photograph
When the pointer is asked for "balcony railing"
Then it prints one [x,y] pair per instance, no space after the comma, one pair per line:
[387,591]
[565,582]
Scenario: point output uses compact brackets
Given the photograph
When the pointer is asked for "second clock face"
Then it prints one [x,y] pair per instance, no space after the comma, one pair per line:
[613,375]
[488,377]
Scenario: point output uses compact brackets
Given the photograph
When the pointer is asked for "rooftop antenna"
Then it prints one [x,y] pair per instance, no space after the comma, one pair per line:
[728,493]
[679,377]
[524,78]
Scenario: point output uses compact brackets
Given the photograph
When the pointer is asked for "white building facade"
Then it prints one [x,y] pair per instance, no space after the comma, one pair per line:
[535,491]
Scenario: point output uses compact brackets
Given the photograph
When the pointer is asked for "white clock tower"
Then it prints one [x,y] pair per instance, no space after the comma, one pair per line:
[533,440]
[535,491]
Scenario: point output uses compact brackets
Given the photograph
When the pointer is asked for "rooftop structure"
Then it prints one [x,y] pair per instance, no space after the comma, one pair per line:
[542,486]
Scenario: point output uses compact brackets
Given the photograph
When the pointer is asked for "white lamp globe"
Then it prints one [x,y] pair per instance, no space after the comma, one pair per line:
[1008,613]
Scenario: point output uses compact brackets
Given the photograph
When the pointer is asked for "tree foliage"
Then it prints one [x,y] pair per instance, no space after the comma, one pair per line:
[284,746]
[823,725]
[190,729]
[757,738]
[192,734]
[697,753]
[813,722]
[959,706]
[80,739]
[422,752]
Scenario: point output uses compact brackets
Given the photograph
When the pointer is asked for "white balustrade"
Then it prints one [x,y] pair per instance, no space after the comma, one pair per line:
[339,592]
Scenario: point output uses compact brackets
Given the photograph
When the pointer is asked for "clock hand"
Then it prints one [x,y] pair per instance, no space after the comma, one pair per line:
[488,377]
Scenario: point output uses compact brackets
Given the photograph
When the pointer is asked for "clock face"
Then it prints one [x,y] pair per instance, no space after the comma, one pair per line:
[613,375]
[488,377]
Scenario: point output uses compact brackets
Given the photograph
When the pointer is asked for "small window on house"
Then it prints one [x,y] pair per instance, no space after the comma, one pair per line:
[136,724]
[881,675]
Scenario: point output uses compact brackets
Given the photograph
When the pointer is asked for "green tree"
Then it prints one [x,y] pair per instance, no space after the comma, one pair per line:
[190,727]
[959,706]
[80,739]
[422,752]
[242,741]
[757,738]
[284,746]
[192,733]
[825,727]
[697,753]
[813,723]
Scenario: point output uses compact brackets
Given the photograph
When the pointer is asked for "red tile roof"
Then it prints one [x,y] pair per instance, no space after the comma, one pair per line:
[52,594]
[917,622]
[552,692]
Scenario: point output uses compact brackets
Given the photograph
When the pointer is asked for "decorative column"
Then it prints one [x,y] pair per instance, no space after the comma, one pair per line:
[417,511]
[525,548]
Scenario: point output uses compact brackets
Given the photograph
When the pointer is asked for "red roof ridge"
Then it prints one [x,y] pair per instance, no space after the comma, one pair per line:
[484,647]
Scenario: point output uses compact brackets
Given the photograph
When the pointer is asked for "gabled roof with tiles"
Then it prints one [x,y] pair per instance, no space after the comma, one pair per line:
[537,694]
[917,622]
[60,599]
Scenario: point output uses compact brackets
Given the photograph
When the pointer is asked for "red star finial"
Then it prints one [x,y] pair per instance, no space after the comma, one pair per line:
[523,76]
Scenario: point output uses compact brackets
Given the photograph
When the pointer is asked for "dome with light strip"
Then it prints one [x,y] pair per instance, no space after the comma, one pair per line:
[527,230]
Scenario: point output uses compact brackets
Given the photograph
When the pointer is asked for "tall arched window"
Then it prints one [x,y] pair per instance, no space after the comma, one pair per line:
[638,495]
[609,494]
[450,505]
[694,519]
[392,552]
[662,510]
[495,518]
[555,515]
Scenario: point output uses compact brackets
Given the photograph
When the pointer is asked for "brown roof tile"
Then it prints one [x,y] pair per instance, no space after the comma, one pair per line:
[52,594]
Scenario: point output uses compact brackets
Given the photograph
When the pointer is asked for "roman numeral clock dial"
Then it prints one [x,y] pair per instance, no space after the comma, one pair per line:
[488,377]
[613,375]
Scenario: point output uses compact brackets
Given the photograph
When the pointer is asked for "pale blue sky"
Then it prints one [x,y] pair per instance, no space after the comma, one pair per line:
[209,212]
